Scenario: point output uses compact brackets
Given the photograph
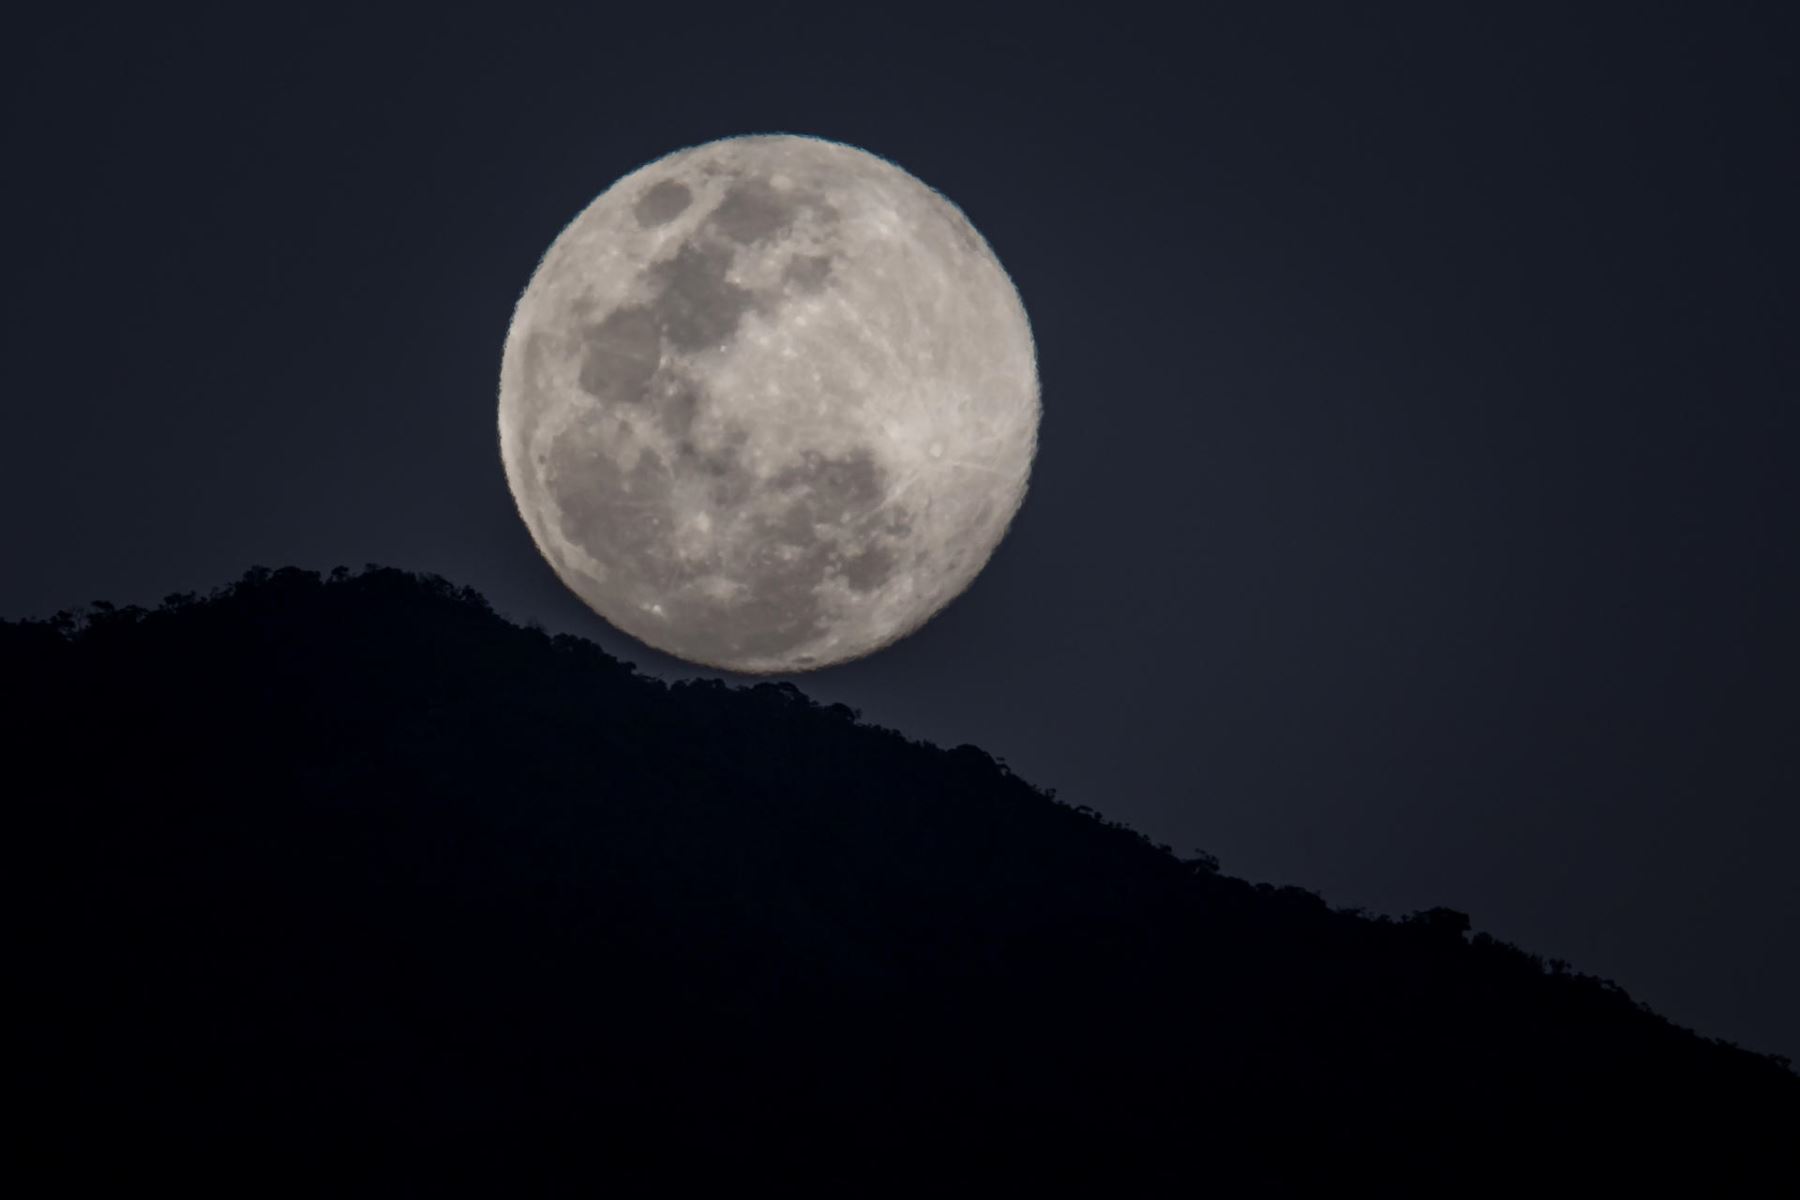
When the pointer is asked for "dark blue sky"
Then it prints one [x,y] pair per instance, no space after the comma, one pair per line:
[1414,518]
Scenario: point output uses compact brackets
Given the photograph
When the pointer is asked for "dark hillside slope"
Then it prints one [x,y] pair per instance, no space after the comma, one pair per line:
[313,869]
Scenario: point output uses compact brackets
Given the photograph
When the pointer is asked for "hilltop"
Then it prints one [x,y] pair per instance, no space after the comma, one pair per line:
[318,869]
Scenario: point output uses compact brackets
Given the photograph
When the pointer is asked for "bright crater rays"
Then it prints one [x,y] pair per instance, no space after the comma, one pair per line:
[769,403]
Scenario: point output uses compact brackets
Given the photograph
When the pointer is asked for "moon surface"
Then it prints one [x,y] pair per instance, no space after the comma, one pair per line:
[769,403]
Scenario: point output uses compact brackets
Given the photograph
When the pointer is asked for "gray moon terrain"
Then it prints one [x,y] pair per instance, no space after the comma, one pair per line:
[769,403]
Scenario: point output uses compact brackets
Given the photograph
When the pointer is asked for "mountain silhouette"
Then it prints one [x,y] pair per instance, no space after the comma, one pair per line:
[350,878]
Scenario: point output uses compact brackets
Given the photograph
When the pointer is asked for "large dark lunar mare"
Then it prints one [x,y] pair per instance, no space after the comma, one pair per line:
[315,872]
[697,308]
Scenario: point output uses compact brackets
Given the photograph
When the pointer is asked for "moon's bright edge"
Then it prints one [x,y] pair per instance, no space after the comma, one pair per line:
[768,404]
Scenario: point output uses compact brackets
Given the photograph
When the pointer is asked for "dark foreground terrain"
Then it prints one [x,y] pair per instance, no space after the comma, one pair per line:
[351,882]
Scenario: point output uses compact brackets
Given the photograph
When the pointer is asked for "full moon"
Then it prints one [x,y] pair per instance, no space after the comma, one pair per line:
[769,404]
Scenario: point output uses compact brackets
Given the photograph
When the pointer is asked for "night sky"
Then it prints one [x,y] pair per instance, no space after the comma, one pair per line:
[1414,517]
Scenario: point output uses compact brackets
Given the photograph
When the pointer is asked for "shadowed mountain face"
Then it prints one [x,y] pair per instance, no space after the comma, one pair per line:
[313,870]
